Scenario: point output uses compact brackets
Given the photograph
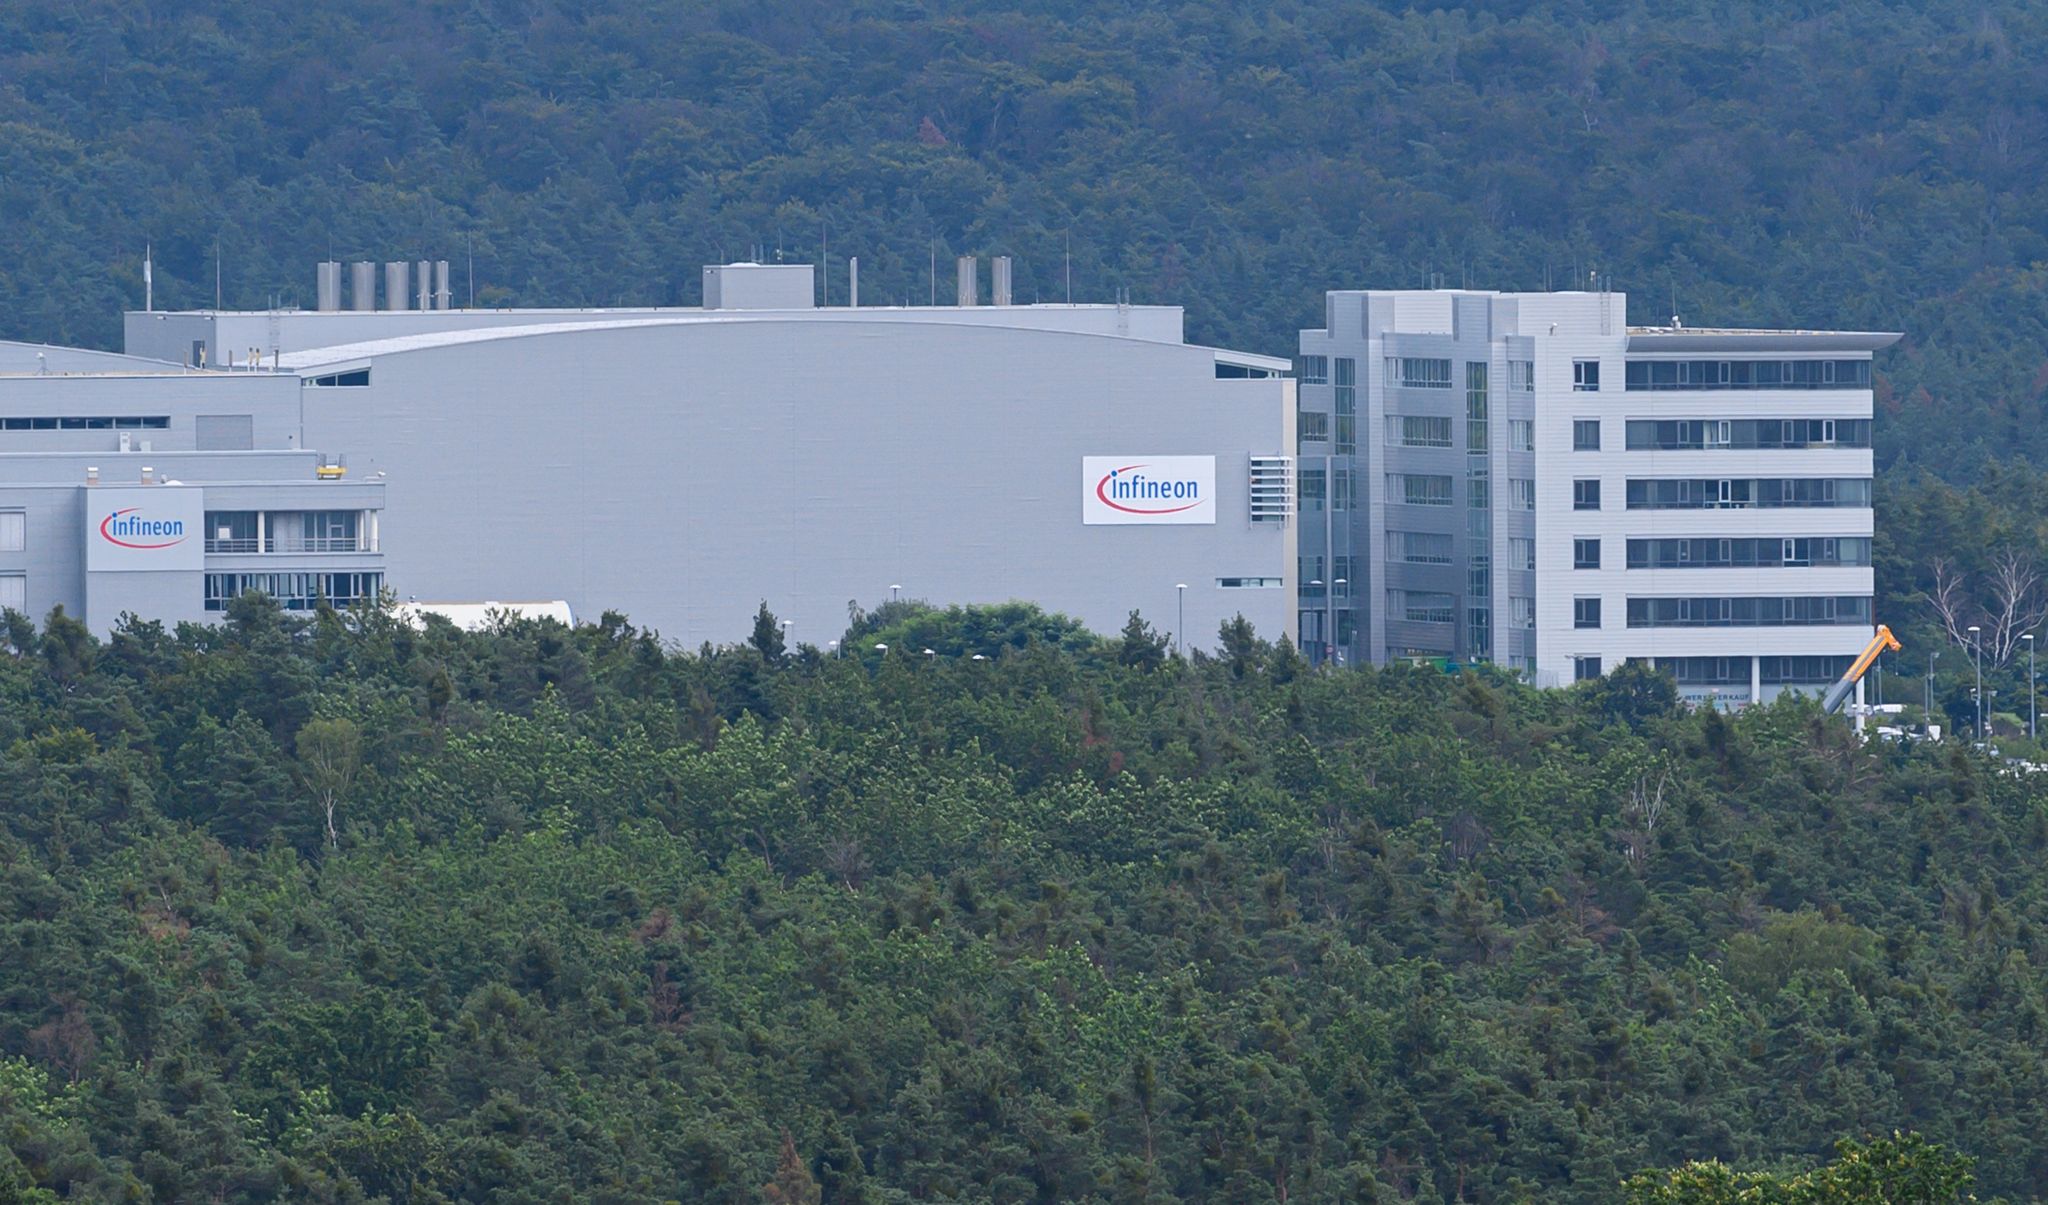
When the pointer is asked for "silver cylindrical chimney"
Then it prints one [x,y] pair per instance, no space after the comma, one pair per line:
[970,280]
[329,285]
[426,284]
[395,283]
[362,286]
[442,297]
[853,282]
[1002,281]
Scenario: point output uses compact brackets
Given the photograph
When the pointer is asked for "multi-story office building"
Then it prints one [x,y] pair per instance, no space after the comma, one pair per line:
[1524,478]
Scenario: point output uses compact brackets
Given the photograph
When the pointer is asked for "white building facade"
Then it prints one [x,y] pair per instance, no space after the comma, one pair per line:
[1527,479]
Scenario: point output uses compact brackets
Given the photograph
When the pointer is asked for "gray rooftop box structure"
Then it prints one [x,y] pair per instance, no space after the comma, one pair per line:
[759,287]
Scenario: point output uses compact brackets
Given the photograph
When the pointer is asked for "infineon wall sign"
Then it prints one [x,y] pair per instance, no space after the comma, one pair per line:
[154,527]
[1148,489]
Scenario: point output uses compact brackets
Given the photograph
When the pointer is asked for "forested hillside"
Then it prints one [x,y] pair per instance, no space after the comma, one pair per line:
[596,921]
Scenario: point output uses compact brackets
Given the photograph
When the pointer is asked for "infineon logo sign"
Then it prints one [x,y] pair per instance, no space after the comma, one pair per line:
[147,528]
[131,528]
[1148,489]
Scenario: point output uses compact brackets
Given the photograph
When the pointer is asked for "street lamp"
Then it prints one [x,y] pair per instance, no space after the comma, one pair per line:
[1331,608]
[2033,705]
[894,588]
[1977,654]
[1180,623]
[1931,655]
[1324,643]
[832,647]
[786,625]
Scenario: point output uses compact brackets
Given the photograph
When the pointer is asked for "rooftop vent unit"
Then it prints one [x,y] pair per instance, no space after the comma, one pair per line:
[329,285]
[362,286]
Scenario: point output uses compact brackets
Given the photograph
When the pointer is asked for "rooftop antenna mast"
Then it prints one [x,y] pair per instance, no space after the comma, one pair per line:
[148,279]
[470,240]
[1070,267]
[935,272]
[216,271]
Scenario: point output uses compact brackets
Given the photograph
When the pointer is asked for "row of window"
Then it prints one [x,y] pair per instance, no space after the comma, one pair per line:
[1677,435]
[286,531]
[1711,493]
[1802,611]
[1419,489]
[1422,606]
[1734,671]
[295,591]
[1434,489]
[1417,372]
[1419,547]
[1764,552]
[153,422]
[1748,374]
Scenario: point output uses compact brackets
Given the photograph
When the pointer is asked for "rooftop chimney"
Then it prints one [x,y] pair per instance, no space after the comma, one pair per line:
[426,285]
[853,282]
[970,281]
[441,294]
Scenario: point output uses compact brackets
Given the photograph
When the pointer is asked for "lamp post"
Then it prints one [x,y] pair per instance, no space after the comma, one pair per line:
[1180,622]
[894,589]
[1929,717]
[1977,655]
[1336,584]
[2033,704]
[832,647]
[1324,643]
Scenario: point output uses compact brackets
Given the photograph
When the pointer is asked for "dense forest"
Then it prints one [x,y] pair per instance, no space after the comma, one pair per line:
[336,909]
[1857,164]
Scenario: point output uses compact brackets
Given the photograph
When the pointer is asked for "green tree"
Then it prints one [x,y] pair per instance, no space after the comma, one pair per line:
[1140,647]
[330,753]
[767,634]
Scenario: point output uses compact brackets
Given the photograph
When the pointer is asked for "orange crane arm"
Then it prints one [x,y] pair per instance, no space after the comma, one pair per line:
[1838,694]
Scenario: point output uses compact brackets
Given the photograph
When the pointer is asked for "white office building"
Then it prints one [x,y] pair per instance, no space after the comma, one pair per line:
[1525,478]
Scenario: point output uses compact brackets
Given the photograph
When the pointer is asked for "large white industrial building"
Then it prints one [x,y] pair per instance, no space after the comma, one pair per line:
[684,465]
